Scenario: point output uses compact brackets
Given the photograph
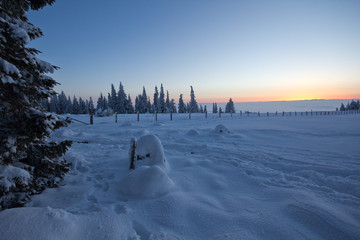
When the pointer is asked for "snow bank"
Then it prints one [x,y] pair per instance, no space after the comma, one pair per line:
[57,224]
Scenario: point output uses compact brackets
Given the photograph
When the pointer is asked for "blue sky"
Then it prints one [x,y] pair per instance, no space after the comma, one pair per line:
[247,50]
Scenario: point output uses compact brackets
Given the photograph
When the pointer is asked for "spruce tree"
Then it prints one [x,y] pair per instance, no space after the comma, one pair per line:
[230,108]
[181,106]
[91,107]
[82,105]
[167,102]
[75,106]
[156,100]
[25,151]
[162,100]
[121,100]
[129,105]
[194,108]
[215,108]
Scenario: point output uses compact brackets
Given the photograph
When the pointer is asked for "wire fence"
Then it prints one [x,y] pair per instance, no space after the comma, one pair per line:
[241,114]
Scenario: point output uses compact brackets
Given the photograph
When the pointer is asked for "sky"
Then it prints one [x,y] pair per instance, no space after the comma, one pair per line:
[255,50]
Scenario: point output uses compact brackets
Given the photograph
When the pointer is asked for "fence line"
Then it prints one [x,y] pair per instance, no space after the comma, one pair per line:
[189,116]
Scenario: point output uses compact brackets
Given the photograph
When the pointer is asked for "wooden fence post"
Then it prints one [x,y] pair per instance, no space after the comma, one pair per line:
[205,114]
[258,113]
[276,113]
[156,116]
[115,117]
[91,113]
[283,113]
[240,113]
[138,116]
[190,115]
[170,115]
[132,153]
[267,113]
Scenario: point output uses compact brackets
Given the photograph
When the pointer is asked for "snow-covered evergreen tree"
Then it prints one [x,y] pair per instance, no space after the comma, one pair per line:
[230,108]
[91,107]
[194,108]
[28,162]
[82,105]
[156,102]
[75,106]
[162,106]
[181,106]
[215,108]
[342,107]
[172,106]
[121,100]
[68,106]
[167,102]
[129,106]
[63,103]
[113,103]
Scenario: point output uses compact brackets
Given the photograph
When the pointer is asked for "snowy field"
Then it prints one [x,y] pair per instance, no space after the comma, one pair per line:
[267,178]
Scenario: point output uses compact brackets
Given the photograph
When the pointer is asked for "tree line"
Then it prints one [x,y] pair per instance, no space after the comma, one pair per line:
[121,103]
[353,105]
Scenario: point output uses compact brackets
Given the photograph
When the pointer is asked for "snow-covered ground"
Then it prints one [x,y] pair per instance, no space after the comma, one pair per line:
[258,178]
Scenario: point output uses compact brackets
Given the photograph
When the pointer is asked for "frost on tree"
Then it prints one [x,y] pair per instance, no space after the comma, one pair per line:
[28,162]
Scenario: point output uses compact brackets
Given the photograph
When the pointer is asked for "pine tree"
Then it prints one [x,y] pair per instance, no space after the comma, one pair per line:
[194,108]
[91,107]
[167,102]
[68,106]
[181,106]
[75,106]
[113,103]
[215,108]
[100,103]
[63,103]
[82,105]
[162,100]
[156,100]
[342,107]
[173,106]
[129,105]
[230,108]
[35,162]
[121,100]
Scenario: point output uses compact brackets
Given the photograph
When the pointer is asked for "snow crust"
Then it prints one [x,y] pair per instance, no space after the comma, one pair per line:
[270,178]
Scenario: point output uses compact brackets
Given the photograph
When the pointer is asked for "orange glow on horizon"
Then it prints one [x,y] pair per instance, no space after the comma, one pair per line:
[275,99]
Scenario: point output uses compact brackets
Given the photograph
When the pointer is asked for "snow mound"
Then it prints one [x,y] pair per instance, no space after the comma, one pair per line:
[150,152]
[50,223]
[126,124]
[221,129]
[146,182]
[192,132]
[78,162]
